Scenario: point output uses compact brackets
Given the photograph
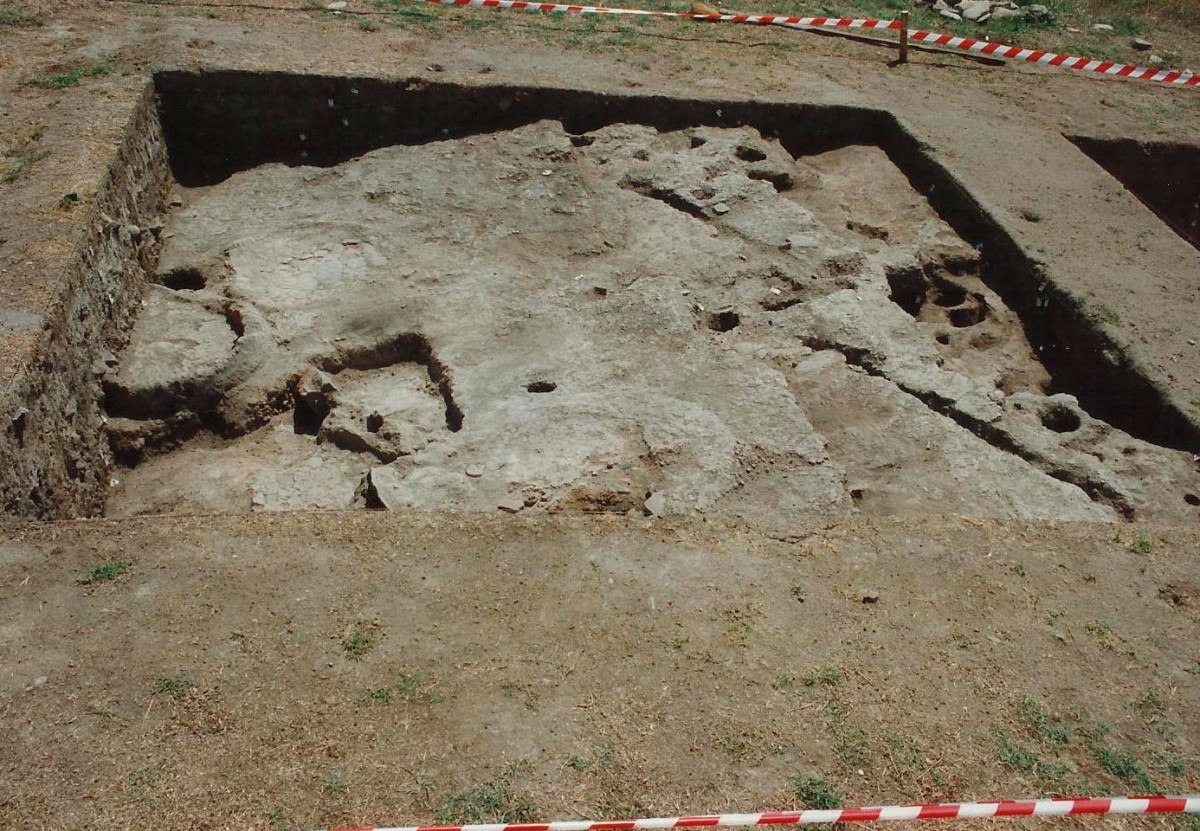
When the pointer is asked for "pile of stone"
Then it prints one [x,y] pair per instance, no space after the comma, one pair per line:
[981,11]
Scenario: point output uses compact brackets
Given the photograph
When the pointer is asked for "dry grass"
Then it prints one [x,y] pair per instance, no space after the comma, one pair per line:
[1182,12]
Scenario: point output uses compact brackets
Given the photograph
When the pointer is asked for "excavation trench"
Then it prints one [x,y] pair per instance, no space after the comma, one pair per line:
[1164,176]
[356,319]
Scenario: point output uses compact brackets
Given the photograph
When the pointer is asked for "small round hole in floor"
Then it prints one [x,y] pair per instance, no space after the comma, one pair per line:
[942,338]
[1061,419]
[541,386]
[749,154]
[1191,499]
[183,279]
[725,321]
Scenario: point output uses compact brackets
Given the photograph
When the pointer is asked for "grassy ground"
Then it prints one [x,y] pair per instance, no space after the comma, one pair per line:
[1171,26]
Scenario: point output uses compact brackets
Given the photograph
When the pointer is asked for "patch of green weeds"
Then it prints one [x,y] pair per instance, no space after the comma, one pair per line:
[1040,724]
[578,763]
[1104,314]
[784,679]
[1141,545]
[412,688]
[908,759]
[105,572]
[607,755]
[1177,766]
[738,746]
[366,24]
[70,78]
[1123,765]
[1102,631]
[1150,706]
[851,744]
[1017,757]
[14,15]
[67,200]
[741,623]
[333,785]
[142,784]
[276,821]
[174,686]
[23,164]
[816,792]
[826,676]
[405,12]
[357,643]
[102,711]
[494,801]
[524,693]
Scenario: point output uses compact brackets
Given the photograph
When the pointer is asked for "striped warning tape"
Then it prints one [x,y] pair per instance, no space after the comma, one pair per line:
[979,47]
[947,810]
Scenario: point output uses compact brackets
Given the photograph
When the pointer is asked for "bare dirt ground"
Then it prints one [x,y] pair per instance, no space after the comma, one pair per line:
[300,671]
[307,670]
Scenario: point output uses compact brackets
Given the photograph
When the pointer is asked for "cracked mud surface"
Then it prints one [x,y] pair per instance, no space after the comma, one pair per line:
[532,321]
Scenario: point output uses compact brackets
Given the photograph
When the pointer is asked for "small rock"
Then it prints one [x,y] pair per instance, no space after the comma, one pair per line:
[800,242]
[1002,13]
[1039,12]
[870,596]
[337,5]
[474,472]
[975,9]
[941,6]
[1102,27]
[436,67]
[656,504]
[1155,59]
[511,504]
[996,396]
[720,209]
[176,201]
[38,682]
[950,14]
[1141,45]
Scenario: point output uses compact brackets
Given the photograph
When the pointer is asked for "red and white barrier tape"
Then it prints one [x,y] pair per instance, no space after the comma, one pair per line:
[978,47]
[948,810]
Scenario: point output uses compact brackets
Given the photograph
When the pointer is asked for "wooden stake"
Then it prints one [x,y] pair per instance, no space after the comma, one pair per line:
[904,36]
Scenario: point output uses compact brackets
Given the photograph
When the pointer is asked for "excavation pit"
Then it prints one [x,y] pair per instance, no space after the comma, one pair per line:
[415,296]
[1164,176]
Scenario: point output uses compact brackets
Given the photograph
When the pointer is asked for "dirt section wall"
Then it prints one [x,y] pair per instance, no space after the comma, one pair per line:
[54,459]
[219,123]
[1166,177]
